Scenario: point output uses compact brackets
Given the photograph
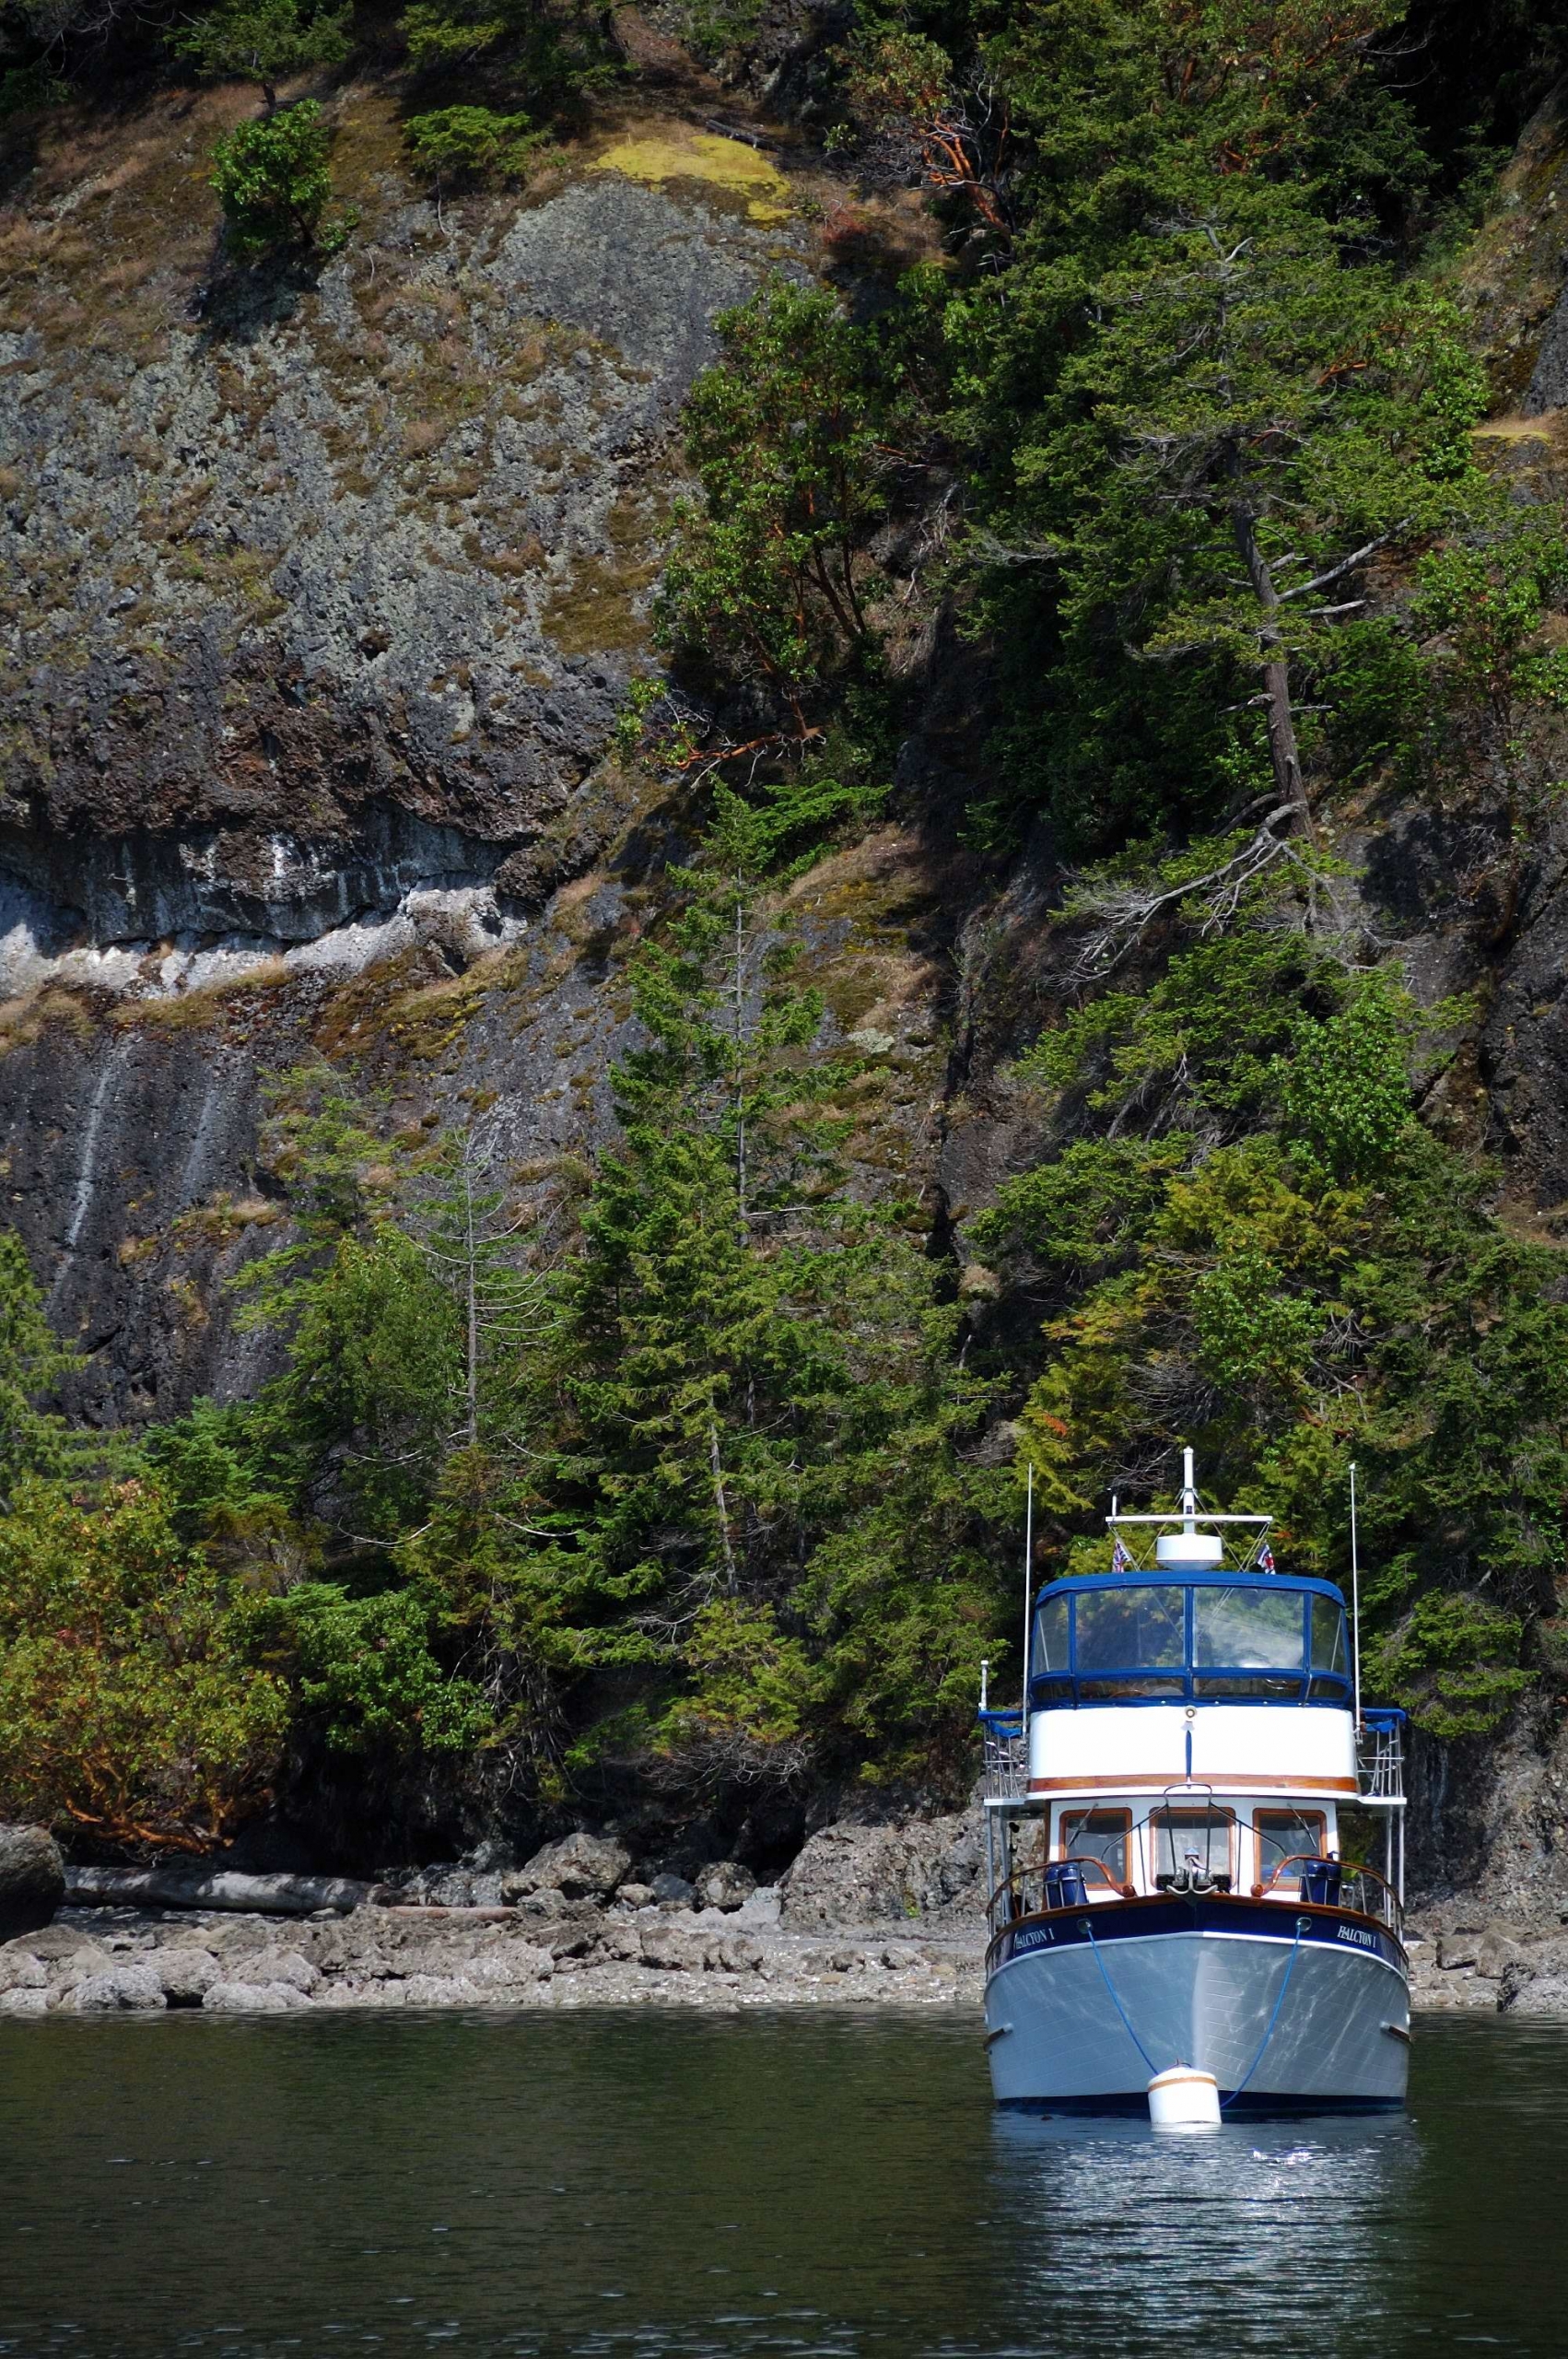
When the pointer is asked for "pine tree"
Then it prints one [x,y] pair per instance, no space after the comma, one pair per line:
[760,1369]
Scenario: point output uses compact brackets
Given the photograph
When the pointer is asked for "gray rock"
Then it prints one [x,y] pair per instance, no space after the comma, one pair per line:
[186,1973]
[23,2002]
[21,1969]
[440,1990]
[850,1875]
[636,1896]
[673,1891]
[675,1948]
[253,1999]
[581,1866]
[57,1941]
[736,1952]
[1455,1950]
[283,1966]
[764,1910]
[1525,1992]
[1495,1951]
[125,1988]
[32,1879]
[728,1885]
[539,1907]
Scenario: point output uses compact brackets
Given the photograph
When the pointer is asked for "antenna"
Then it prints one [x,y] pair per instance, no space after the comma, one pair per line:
[1028,1562]
[985,1681]
[1188,1492]
[1355,1596]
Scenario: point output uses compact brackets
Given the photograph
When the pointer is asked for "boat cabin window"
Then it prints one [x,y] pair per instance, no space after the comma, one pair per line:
[1286,1835]
[1329,1651]
[1140,1639]
[1050,1650]
[1184,1841]
[1126,1637]
[1241,1634]
[1102,1835]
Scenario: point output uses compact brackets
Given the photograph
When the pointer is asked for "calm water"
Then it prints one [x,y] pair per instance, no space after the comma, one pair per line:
[639,2184]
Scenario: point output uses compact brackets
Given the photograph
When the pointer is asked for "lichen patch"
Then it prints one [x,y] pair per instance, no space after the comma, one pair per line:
[672,153]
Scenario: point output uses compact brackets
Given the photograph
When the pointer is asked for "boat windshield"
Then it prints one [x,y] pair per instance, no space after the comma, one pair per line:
[1116,1639]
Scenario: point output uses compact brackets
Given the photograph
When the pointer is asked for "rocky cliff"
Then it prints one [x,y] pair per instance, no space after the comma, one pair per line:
[320,596]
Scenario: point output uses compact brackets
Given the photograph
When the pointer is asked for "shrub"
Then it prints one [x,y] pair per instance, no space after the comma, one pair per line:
[472,143]
[130,1703]
[274,186]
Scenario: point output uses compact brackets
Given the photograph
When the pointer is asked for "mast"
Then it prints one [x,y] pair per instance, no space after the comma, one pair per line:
[1188,1492]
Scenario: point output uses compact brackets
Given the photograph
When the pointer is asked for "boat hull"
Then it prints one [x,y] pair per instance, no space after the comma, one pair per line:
[1293,2012]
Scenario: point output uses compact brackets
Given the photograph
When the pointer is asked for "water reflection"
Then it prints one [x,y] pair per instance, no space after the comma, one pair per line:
[1258,2235]
[830,2186]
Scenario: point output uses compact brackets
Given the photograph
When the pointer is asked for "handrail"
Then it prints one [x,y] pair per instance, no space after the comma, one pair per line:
[1087,1859]
[1391,1910]
[1306,1859]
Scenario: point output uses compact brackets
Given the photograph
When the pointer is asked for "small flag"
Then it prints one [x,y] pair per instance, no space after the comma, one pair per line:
[1121,1561]
[1266,1558]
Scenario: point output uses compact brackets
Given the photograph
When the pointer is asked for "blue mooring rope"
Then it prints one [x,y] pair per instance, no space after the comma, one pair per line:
[1094,1944]
[1154,2069]
[1278,2002]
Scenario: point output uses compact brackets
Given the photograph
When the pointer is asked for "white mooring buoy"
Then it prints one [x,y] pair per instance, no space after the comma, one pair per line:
[1183,2099]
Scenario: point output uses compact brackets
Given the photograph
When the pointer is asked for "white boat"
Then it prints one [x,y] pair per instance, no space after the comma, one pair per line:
[1167,1888]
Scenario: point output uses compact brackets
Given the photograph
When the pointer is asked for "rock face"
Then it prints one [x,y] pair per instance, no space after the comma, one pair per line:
[850,1875]
[323,608]
[32,1879]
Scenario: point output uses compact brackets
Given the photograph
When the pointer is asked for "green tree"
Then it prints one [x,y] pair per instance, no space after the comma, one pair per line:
[274,183]
[1258,1249]
[781,430]
[775,1528]
[551,56]
[264,42]
[33,1365]
[131,1705]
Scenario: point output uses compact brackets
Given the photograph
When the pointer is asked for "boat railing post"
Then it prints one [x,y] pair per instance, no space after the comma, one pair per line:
[1355,1601]
[1028,1568]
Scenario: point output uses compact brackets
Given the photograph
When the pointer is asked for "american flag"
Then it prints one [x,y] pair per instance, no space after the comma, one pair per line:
[1266,1558]
[1121,1561]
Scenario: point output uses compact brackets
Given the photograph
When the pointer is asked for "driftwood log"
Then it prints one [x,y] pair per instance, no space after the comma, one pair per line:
[186,1887]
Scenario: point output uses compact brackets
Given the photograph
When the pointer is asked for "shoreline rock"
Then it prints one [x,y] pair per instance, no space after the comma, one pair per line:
[145,1961]
[32,1879]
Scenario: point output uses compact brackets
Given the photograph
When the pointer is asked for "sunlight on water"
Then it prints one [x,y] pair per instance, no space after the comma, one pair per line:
[646,2183]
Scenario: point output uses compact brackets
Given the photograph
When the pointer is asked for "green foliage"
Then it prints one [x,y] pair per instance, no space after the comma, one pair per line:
[773,1516]
[1486,602]
[550,58]
[131,1706]
[274,183]
[363,1673]
[262,40]
[32,1365]
[1344,1096]
[29,89]
[1297,1275]
[1455,1661]
[782,434]
[472,143]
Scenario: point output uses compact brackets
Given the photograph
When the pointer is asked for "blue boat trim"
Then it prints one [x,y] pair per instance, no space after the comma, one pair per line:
[1249,2106]
[1276,1920]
